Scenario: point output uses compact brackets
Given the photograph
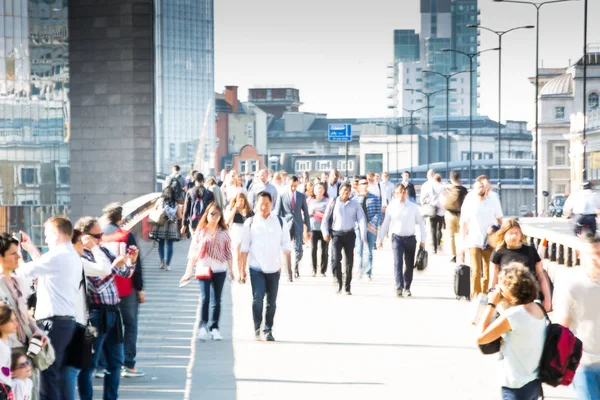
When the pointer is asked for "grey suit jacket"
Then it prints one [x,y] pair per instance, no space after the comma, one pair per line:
[283,208]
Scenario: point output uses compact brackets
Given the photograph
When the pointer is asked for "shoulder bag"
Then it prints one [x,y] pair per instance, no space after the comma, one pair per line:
[42,360]
[158,215]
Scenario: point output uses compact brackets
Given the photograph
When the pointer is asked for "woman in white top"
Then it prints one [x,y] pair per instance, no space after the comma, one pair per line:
[522,327]
[8,326]
[237,213]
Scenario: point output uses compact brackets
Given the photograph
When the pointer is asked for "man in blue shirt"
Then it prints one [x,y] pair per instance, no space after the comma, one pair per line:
[371,206]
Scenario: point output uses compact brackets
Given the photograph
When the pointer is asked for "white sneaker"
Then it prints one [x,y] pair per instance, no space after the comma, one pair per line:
[202,334]
[215,334]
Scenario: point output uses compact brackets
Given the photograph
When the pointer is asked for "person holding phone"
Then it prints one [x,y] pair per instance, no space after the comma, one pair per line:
[522,326]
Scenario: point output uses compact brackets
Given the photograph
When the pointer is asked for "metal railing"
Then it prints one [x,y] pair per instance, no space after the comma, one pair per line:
[563,245]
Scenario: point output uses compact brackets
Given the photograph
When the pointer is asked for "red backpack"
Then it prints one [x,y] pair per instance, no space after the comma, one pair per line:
[560,356]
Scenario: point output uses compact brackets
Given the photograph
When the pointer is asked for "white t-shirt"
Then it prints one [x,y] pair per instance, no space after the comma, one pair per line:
[580,304]
[5,353]
[22,388]
[522,349]
[479,216]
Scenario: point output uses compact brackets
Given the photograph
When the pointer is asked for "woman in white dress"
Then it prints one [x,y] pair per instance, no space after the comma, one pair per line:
[237,213]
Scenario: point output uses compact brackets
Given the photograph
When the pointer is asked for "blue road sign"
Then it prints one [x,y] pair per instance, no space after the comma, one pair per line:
[340,132]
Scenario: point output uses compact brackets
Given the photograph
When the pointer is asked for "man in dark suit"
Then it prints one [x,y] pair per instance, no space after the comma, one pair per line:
[410,188]
[291,206]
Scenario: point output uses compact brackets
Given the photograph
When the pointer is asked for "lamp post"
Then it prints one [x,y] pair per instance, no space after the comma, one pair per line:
[500,34]
[471,56]
[447,77]
[411,112]
[537,85]
[428,96]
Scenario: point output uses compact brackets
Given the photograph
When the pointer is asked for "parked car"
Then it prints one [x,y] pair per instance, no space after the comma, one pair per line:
[556,205]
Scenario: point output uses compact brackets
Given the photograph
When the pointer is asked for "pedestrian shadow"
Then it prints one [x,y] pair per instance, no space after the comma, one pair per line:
[307,382]
[399,345]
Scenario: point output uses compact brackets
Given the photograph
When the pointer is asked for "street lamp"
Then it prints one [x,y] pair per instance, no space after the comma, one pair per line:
[447,77]
[500,34]
[537,84]
[411,112]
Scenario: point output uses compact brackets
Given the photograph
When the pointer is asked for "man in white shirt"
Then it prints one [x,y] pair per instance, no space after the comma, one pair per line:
[477,217]
[387,189]
[579,311]
[583,206]
[264,237]
[401,219]
[490,195]
[262,184]
[374,186]
[59,274]
[430,199]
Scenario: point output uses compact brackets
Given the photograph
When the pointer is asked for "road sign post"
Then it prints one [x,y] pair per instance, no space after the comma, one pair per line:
[341,133]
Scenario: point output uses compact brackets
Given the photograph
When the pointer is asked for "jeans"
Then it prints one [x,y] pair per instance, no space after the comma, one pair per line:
[264,284]
[531,391]
[129,307]
[60,333]
[161,250]
[435,224]
[371,238]
[317,237]
[212,297]
[114,358]
[587,382]
[404,248]
[345,241]
[69,383]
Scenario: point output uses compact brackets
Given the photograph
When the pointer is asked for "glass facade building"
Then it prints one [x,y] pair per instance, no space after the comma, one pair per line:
[406,45]
[34,112]
[184,83]
[464,12]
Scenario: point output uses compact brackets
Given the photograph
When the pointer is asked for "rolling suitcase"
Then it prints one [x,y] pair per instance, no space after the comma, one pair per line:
[462,282]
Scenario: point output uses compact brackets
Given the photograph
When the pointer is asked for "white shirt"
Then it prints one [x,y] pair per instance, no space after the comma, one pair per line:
[522,349]
[582,202]
[492,197]
[332,190]
[22,388]
[387,189]
[5,353]
[430,194]
[580,304]
[264,242]
[59,274]
[479,216]
[102,267]
[401,219]
[376,189]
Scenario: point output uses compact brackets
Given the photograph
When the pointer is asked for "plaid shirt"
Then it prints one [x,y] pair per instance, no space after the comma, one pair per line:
[103,290]
[373,208]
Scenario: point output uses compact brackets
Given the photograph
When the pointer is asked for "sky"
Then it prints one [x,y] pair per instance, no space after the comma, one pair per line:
[336,52]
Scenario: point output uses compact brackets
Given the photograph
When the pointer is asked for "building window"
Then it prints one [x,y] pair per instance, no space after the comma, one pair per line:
[476,155]
[559,113]
[172,151]
[593,101]
[419,80]
[252,166]
[242,167]
[274,165]
[373,162]
[341,165]
[519,155]
[64,175]
[560,155]
[323,165]
[488,156]
[464,156]
[28,176]
[419,100]
[407,82]
[228,165]
[304,165]
[558,189]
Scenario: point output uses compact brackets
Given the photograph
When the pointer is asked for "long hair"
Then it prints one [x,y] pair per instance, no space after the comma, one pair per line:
[6,314]
[238,197]
[204,220]
[168,195]
[507,225]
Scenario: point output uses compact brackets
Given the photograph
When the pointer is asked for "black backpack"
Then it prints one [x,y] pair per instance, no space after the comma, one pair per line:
[201,199]
[177,188]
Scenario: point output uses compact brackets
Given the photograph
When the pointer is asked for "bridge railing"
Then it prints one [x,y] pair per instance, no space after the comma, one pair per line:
[562,243]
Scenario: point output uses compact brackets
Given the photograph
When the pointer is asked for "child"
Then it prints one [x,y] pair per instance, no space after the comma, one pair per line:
[8,326]
[21,372]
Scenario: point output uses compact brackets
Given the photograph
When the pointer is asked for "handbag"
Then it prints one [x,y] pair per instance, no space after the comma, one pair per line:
[203,271]
[80,350]
[422,259]
[429,210]
[491,348]
[158,215]
[46,356]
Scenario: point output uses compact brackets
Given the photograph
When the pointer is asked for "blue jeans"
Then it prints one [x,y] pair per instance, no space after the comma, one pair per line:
[161,250]
[114,358]
[587,382]
[264,284]
[60,333]
[129,307]
[531,391]
[69,383]
[404,249]
[213,297]
[371,238]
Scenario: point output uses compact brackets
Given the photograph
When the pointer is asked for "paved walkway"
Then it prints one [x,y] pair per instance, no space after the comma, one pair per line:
[369,345]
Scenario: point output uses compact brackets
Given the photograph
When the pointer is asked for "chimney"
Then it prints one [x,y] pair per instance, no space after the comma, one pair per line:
[231,97]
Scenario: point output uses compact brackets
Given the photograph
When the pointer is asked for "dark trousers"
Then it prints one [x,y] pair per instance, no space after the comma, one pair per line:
[588,220]
[317,237]
[264,284]
[531,391]
[212,297]
[404,248]
[113,348]
[129,307]
[435,224]
[345,241]
[60,333]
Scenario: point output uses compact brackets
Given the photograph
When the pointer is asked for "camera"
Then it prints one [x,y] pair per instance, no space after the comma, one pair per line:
[17,236]
[35,345]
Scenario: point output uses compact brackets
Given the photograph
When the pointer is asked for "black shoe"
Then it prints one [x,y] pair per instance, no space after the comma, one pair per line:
[269,337]
[398,292]
[408,293]
[290,279]
[453,259]
[257,334]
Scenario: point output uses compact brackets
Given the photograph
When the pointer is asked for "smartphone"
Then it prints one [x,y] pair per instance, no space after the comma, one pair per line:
[18,236]
[130,250]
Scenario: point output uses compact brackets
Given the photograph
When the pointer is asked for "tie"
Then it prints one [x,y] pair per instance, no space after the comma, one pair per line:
[293,201]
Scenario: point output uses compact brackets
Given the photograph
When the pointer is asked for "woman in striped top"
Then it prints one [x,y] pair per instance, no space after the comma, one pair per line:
[211,245]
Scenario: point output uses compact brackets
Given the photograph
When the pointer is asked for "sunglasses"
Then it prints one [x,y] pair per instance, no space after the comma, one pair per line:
[96,235]
[363,183]
[215,213]
[23,364]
